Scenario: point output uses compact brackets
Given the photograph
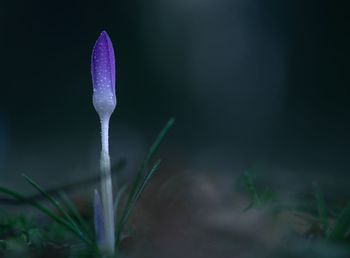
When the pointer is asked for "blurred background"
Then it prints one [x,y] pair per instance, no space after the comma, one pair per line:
[261,84]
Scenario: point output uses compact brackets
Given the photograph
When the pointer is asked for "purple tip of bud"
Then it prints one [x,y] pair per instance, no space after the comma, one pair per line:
[103,76]
[98,221]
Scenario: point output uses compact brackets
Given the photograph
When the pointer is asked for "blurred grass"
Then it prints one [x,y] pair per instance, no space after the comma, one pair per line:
[325,228]
[335,233]
[20,234]
[71,219]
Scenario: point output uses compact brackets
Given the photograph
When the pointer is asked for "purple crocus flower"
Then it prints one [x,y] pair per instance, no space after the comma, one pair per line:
[103,76]
[104,100]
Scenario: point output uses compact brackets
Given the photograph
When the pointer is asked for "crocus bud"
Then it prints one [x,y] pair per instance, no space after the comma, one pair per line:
[103,76]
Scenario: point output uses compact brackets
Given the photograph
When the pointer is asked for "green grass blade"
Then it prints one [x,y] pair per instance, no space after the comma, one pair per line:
[52,200]
[250,185]
[117,199]
[85,182]
[139,191]
[46,211]
[140,175]
[154,147]
[158,141]
[147,178]
[72,209]
[342,224]
[136,194]
[321,209]
[55,203]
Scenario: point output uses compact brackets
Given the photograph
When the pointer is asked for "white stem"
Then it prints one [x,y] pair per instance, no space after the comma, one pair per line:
[106,189]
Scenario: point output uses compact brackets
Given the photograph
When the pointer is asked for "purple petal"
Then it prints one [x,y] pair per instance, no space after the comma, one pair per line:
[98,220]
[103,75]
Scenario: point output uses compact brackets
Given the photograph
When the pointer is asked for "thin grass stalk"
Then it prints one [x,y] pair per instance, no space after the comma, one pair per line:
[48,212]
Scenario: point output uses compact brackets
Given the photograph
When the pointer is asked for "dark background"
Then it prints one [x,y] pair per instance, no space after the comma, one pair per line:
[250,83]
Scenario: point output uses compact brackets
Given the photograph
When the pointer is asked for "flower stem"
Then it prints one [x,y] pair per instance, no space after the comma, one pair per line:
[106,189]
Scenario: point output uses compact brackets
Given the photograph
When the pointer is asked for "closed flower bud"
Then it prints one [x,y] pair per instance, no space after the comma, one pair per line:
[103,76]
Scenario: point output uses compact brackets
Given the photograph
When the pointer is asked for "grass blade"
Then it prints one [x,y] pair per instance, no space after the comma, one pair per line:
[116,168]
[321,209]
[117,199]
[55,203]
[140,176]
[154,147]
[46,211]
[135,196]
[139,191]
[72,209]
[147,178]
[250,185]
[158,141]
[342,224]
